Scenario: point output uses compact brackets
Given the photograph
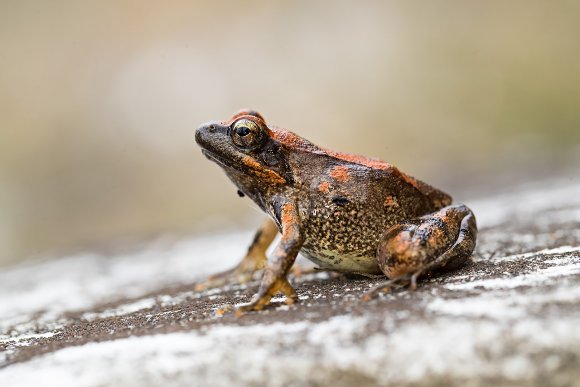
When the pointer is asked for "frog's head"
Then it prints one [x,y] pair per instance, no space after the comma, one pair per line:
[243,146]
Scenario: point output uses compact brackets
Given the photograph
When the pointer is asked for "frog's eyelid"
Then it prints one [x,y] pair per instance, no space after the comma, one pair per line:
[254,120]
[247,112]
[251,124]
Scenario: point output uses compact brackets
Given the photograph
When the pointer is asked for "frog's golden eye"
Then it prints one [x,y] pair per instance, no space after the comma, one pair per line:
[246,134]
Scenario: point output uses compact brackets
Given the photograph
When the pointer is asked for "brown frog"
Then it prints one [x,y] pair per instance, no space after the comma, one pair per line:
[345,213]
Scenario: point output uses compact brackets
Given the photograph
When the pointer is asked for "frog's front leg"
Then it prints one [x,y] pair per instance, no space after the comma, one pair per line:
[441,240]
[275,277]
[253,261]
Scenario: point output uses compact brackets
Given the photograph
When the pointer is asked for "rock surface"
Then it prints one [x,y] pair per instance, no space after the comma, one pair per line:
[512,317]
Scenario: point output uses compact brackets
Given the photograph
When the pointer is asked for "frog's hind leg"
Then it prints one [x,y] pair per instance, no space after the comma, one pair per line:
[442,240]
[254,260]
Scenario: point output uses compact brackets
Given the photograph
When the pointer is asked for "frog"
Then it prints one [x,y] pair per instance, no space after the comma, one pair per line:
[346,213]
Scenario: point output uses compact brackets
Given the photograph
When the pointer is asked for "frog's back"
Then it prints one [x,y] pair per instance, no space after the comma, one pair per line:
[433,198]
[349,201]
[350,163]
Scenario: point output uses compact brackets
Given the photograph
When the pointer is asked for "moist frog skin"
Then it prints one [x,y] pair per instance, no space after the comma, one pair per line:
[345,213]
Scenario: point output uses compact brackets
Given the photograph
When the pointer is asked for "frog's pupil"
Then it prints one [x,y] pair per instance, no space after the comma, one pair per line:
[242,131]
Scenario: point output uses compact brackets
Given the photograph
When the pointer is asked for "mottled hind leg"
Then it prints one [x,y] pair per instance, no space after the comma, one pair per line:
[254,260]
[441,240]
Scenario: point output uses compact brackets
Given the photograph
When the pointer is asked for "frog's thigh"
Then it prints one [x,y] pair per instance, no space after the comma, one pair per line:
[445,238]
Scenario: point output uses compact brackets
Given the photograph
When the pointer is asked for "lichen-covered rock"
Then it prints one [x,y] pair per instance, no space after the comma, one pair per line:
[512,317]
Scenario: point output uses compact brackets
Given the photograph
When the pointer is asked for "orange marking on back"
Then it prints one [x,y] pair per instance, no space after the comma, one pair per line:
[292,140]
[362,160]
[324,187]
[340,173]
[390,201]
[410,180]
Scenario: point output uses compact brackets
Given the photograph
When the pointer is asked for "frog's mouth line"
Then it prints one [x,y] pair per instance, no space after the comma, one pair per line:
[215,158]
[221,161]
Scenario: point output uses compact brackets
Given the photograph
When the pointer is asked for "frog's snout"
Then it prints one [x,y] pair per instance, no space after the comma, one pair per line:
[199,134]
[203,133]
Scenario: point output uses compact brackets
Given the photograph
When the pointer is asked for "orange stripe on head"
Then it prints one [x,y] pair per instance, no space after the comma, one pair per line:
[265,173]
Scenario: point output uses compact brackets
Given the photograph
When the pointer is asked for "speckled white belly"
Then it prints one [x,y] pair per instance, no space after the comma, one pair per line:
[343,263]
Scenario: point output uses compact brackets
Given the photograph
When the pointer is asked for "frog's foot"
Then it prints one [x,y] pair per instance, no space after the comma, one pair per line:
[224,309]
[268,289]
[262,298]
[238,275]
[253,262]
[299,271]
[442,240]
[406,280]
[357,274]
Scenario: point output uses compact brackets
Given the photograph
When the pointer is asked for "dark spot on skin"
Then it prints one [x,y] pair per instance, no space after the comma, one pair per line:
[289,178]
[340,201]
[241,194]
[277,205]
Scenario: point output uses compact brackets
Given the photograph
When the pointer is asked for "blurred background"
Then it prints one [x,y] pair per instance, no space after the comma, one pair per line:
[99,102]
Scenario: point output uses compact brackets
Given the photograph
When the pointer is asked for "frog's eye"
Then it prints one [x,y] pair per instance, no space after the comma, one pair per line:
[246,134]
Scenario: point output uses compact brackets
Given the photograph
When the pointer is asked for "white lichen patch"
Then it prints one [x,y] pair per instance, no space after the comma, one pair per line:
[541,276]
[224,356]
[526,202]
[47,289]
[498,299]
[558,251]
[25,339]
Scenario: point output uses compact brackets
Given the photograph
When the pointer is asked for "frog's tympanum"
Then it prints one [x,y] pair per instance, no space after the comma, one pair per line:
[345,213]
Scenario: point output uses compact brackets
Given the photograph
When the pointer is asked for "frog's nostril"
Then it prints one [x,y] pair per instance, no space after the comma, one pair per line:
[206,131]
